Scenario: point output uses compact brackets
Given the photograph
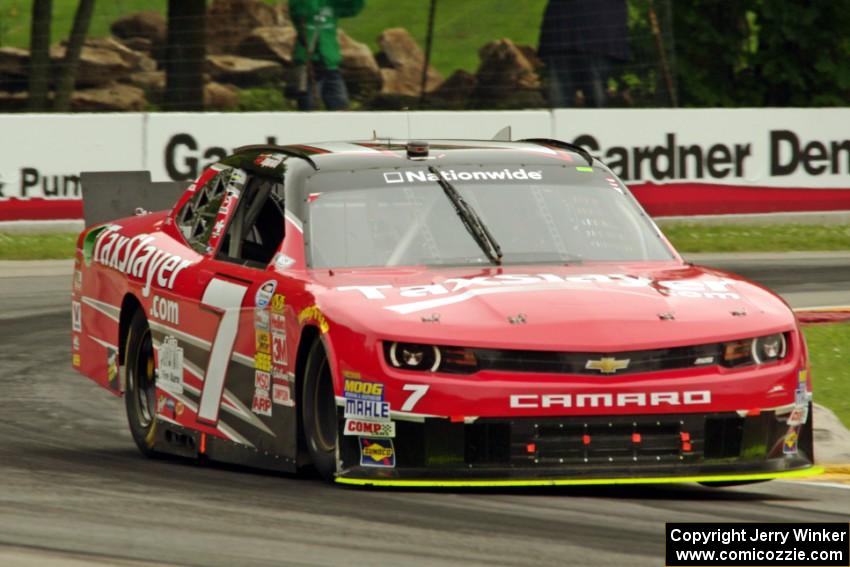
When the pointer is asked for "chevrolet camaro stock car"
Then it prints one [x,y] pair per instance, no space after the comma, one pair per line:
[436,313]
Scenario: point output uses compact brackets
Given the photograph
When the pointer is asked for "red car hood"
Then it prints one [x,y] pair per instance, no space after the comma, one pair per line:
[600,307]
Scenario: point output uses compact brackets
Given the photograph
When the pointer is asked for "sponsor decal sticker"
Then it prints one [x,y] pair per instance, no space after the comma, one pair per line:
[363,428]
[76,360]
[356,389]
[315,314]
[170,375]
[278,323]
[280,354]
[262,380]
[165,407]
[269,160]
[367,409]
[263,361]
[281,387]
[377,452]
[78,280]
[76,342]
[262,340]
[278,303]
[76,316]
[261,319]
[262,403]
[789,446]
[283,261]
[265,293]
[112,367]
[138,258]
[505,174]
[165,310]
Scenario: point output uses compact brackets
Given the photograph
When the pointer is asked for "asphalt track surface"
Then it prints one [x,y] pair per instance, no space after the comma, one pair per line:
[74,491]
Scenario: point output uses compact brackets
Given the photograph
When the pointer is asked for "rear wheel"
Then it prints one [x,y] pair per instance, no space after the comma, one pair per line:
[140,380]
[318,412]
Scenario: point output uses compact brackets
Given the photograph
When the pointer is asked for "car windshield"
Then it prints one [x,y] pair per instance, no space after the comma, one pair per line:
[538,214]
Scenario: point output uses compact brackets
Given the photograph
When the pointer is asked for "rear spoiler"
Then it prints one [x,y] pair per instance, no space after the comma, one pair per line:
[111,195]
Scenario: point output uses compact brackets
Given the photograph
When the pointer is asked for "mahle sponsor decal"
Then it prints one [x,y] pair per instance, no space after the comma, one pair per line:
[136,257]
[609,400]
[422,176]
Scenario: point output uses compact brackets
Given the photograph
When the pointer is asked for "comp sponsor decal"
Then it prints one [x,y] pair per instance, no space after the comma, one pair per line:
[376,452]
[610,400]
[364,428]
[456,290]
[137,257]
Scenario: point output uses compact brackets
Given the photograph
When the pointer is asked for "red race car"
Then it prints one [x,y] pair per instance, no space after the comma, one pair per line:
[445,313]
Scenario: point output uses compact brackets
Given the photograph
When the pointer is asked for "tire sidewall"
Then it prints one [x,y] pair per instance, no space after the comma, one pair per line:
[325,462]
[143,435]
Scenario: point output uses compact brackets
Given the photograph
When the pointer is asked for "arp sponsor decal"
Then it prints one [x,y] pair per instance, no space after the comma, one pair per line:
[367,409]
[261,404]
[265,293]
[456,290]
[315,314]
[422,176]
[609,400]
[377,452]
[170,371]
[136,257]
[76,316]
[357,389]
[363,428]
[166,310]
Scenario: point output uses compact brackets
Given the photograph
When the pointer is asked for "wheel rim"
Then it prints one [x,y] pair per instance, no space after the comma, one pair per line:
[324,405]
[143,380]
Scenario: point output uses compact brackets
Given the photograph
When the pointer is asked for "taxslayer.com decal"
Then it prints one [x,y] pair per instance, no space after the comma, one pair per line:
[457,290]
[138,258]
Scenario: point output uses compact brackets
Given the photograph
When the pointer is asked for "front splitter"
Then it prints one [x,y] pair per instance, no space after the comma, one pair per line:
[460,483]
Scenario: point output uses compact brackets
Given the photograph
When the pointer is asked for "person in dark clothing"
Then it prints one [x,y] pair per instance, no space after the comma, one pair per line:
[317,55]
[580,42]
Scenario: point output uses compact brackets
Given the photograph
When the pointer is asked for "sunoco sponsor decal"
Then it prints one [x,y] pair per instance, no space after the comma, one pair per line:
[609,400]
[505,174]
[136,257]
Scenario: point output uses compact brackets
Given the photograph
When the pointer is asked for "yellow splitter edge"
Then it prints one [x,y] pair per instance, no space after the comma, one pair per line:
[580,482]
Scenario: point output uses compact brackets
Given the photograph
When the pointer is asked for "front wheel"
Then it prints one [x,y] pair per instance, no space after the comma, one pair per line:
[140,380]
[318,412]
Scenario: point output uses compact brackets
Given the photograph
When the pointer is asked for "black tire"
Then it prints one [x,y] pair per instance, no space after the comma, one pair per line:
[318,412]
[140,380]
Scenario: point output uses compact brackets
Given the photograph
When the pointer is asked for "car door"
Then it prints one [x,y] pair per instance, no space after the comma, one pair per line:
[238,226]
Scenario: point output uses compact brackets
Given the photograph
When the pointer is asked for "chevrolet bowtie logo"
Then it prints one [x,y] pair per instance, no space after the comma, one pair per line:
[607,365]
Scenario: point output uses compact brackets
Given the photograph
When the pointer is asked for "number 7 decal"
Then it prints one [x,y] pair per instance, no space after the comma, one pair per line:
[224,297]
[417,391]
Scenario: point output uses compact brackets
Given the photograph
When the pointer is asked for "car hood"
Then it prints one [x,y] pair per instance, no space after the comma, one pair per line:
[589,307]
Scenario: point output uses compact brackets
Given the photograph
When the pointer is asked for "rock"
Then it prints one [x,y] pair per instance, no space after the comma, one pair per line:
[152,82]
[14,68]
[140,44]
[103,61]
[145,25]
[111,98]
[218,96]
[274,43]
[506,77]
[456,91]
[138,61]
[402,60]
[231,21]
[242,71]
[359,67]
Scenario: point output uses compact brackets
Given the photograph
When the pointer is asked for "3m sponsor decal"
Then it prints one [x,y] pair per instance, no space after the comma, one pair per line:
[357,389]
[165,310]
[422,176]
[263,361]
[76,316]
[262,341]
[609,400]
[278,303]
[137,258]
[313,313]
[170,372]
[377,452]
[363,428]
[280,354]
[367,409]
[265,293]
[456,290]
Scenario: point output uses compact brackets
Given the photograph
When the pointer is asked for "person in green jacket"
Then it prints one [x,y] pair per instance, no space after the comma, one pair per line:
[317,54]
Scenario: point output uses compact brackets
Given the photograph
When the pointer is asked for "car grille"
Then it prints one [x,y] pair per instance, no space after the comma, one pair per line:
[597,363]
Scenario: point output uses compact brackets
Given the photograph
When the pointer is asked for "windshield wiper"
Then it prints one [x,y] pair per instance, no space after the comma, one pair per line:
[470,219]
